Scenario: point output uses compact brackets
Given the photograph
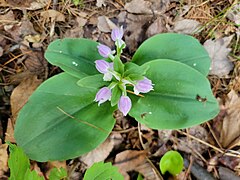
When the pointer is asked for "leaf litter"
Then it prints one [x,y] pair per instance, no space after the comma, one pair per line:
[28,37]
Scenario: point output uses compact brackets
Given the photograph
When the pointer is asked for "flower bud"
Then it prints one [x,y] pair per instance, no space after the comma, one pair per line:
[102,66]
[103,95]
[124,104]
[104,51]
[117,34]
[143,86]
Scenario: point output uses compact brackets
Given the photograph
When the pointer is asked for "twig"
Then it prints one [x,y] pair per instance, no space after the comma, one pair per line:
[207,144]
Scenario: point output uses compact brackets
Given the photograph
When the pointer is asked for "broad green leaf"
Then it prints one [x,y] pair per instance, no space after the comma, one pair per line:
[132,68]
[102,170]
[58,174]
[178,47]
[116,94]
[118,65]
[74,56]
[60,120]
[172,162]
[182,97]
[94,81]
[18,162]
[32,175]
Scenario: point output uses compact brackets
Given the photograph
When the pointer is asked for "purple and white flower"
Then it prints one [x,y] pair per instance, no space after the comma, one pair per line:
[104,51]
[143,86]
[103,95]
[105,68]
[124,104]
[117,34]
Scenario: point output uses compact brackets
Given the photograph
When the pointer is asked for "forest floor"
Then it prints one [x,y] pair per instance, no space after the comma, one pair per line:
[210,150]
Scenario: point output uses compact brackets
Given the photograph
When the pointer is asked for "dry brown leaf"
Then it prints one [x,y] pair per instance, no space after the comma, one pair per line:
[100,153]
[24,4]
[230,162]
[20,30]
[52,15]
[3,158]
[34,58]
[231,122]
[1,51]
[100,3]
[158,26]
[134,31]
[130,160]
[77,30]
[186,26]
[35,167]
[234,14]
[105,24]
[218,51]
[139,7]
[10,132]
[189,145]
[7,19]
[227,174]
[21,93]
[165,135]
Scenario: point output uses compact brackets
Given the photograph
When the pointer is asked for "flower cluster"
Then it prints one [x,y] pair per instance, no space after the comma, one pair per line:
[116,75]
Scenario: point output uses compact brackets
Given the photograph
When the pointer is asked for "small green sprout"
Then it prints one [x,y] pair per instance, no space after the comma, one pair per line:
[172,162]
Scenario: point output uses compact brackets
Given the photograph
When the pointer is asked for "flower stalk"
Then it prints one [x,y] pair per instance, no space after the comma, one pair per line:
[122,78]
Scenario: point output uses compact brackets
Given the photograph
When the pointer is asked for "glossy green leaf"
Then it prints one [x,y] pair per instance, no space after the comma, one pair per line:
[60,120]
[18,162]
[182,97]
[102,170]
[94,81]
[172,162]
[74,56]
[58,174]
[178,47]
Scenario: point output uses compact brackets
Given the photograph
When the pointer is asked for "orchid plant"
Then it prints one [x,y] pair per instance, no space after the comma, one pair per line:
[164,86]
